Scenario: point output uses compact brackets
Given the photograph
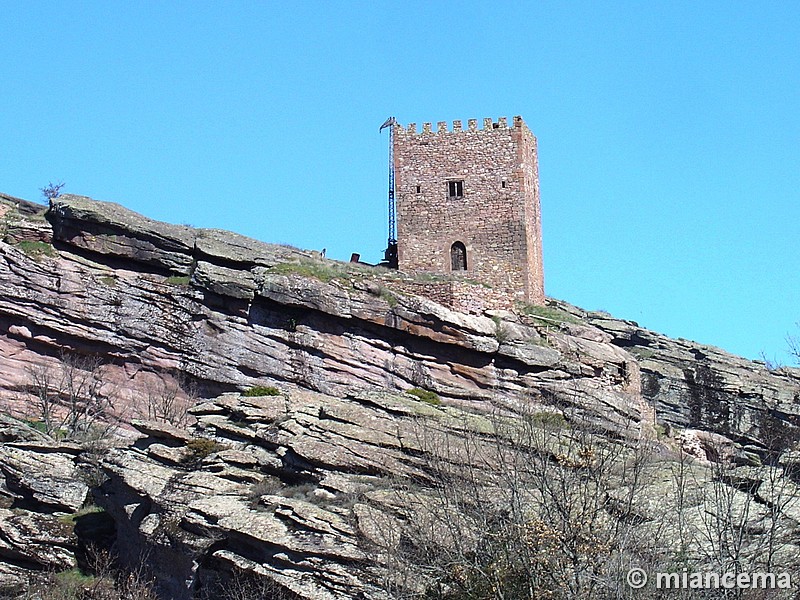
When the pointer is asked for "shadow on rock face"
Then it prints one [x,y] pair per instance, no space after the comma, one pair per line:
[96,532]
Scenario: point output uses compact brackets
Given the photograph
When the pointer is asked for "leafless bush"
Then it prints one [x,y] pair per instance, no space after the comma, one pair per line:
[793,342]
[745,520]
[526,511]
[538,508]
[246,586]
[168,399]
[72,400]
[52,190]
[102,581]
[268,486]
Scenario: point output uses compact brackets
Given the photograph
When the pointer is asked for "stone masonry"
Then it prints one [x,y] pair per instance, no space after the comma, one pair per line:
[468,205]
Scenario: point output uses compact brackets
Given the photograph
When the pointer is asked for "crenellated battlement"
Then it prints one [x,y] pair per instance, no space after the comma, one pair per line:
[468,204]
[457,126]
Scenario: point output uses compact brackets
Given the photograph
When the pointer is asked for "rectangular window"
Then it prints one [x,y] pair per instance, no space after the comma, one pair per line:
[455,189]
[419,189]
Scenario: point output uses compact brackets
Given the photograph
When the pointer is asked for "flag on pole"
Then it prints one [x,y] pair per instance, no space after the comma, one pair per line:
[388,122]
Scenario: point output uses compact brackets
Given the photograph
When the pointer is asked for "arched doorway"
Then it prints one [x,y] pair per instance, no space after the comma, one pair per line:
[458,257]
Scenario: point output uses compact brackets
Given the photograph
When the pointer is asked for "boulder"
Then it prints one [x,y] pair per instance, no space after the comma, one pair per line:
[41,476]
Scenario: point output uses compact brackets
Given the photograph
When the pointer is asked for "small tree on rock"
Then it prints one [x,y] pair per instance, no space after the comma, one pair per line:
[52,190]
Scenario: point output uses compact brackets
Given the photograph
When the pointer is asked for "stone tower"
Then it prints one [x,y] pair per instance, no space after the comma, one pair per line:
[468,205]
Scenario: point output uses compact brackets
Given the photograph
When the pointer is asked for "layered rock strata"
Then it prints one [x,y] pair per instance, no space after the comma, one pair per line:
[296,487]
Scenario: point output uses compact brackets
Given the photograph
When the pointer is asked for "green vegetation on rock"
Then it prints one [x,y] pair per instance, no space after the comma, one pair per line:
[74,578]
[386,294]
[549,315]
[323,270]
[501,330]
[260,390]
[427,396]
[37,250]
[199,448]
[70,519]
[552,420]
[178,280]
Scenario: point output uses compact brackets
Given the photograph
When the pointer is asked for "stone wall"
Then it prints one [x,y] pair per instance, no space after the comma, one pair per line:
[497,217]
[462,296]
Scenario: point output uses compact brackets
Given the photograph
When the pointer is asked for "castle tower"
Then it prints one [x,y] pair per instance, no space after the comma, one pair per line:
[468,204]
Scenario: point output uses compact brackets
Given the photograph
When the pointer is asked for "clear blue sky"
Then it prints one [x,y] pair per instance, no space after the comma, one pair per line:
[669,132]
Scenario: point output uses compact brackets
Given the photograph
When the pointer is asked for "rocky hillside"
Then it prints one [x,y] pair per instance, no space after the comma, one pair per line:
[303,460]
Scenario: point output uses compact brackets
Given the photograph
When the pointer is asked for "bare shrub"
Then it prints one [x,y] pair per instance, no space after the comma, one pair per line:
[168,399]
[52,190]
[525,511]
[72,400]
[538,508]
[102,580]
[246,586]
[793,343]
[268,486]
